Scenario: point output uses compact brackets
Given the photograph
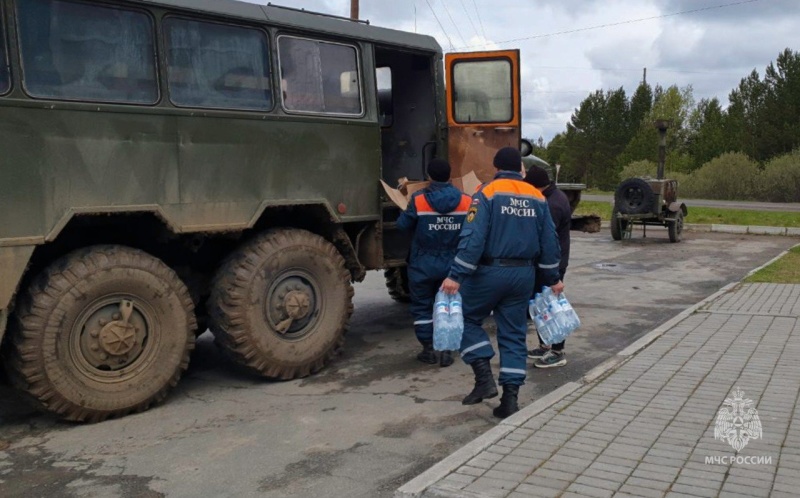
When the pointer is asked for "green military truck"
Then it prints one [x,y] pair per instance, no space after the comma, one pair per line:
[173,165]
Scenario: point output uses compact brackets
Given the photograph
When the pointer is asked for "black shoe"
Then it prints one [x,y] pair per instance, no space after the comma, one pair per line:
[427,355]
[551,359]
[508,403]
[445,359]
[485,388]
[535,354]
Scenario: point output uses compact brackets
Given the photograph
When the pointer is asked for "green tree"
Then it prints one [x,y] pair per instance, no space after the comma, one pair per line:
[641,104]
[707,138]
[779,120]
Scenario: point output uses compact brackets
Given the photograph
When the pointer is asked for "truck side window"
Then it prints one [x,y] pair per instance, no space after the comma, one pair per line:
[385,102]
[483,91]
[319,77]
[5,82]
[218,66]
[79,51]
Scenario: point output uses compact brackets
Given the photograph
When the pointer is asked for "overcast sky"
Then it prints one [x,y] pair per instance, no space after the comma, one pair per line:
[567,53]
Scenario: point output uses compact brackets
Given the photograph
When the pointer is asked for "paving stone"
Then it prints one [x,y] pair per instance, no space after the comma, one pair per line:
[584,490]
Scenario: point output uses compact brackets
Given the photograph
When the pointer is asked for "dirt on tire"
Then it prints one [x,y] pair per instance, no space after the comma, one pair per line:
[397,284]
[249,293]
[49,352]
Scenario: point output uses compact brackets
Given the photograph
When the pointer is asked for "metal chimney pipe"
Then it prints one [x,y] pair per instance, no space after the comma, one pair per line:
[662,125]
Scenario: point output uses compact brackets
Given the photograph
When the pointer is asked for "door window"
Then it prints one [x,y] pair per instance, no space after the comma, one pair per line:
[319,77]
[482,91]
[217,66]
[5,82]
[385,103]
[80,51]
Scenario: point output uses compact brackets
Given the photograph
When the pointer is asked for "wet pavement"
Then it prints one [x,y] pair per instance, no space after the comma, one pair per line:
[374,418]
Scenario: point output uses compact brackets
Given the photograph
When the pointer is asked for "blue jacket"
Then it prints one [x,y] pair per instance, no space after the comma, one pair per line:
[436,214]
[508,219]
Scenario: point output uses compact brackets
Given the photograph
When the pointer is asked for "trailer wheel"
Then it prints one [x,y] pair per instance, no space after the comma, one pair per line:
[675,228]
[397,283]
[281,304]
[102,332]
[618,226]
[634,196]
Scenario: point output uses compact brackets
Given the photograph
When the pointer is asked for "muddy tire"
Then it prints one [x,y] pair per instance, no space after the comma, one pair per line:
[102,332]
[281,304]
[634,196]
[397,283]
[675,228]
[617,226]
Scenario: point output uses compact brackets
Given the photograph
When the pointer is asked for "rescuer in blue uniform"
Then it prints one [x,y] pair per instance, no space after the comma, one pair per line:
[436,214]
[508,230]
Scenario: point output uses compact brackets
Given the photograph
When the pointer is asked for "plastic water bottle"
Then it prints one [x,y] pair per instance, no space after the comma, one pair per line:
[557,311]
[569,312]
[441,321]
[448,322]
[545,325]
[456,318]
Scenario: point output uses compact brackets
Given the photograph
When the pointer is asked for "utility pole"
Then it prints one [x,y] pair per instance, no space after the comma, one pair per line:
[644,76]
[354,10]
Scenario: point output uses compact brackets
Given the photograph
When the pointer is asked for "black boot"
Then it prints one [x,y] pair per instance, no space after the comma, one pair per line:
[485,387]
[427,355]
[508,403]
[446,359]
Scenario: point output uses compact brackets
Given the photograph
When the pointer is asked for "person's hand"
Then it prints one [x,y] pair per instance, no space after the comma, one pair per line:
[450,286]
[558,288]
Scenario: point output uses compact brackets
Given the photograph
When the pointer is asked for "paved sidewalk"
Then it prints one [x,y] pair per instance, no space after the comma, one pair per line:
[644,424]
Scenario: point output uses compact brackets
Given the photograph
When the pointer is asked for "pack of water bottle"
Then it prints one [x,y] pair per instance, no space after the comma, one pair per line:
[448,322]
[553,315]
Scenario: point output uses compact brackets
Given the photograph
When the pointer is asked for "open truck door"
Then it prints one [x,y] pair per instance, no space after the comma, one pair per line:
[483,109]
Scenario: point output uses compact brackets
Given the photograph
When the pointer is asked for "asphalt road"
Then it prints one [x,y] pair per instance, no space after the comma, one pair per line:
[375,417]
[747,205]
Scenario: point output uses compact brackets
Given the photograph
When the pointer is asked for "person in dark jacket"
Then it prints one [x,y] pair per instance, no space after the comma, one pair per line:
[435,214]
[508,230]
[546,356]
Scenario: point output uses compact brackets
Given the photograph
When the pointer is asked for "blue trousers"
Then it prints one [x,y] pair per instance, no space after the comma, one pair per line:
[426,272]
[506,291]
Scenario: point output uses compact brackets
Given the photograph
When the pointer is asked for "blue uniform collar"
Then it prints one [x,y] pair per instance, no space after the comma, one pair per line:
[508,174]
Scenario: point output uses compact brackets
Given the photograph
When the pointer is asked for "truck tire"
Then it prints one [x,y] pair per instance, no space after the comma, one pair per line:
[617,226]
[102,332]
[397,283]
[675,228]
[280,305]
[634,196]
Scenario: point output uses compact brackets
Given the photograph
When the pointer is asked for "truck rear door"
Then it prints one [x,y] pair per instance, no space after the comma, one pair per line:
[483,108]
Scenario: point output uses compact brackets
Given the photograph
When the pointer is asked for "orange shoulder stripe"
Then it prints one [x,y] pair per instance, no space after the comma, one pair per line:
[514,187]
[422,204]
[466,201]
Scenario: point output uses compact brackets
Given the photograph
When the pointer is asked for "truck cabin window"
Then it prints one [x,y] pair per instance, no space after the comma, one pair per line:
[319,77]
[217,66]
[385,104]
[482,91]
[78,51]
[5,82]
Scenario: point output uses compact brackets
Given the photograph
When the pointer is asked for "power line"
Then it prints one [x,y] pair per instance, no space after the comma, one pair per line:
[608,25]
[440,25]
[447,11]
[474,28]
[480,20]
[637,70]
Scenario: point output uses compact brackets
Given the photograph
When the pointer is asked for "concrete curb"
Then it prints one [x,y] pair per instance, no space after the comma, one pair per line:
[425,482]
[421,483]
[735,229]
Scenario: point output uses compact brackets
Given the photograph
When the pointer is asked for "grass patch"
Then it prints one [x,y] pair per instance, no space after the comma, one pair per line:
[708,216]
[784,271]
